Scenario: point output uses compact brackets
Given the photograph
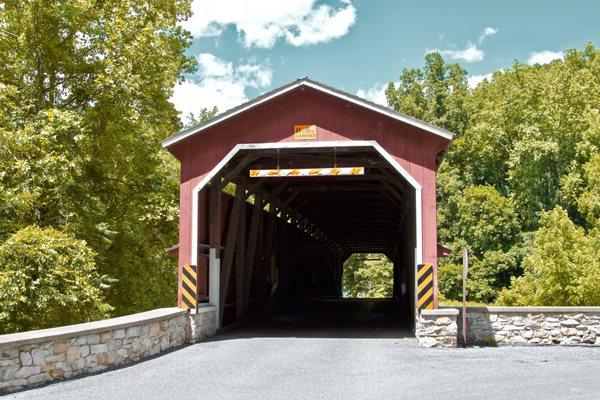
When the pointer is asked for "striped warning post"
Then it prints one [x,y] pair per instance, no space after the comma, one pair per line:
[292,172]
[189,284]
[425,287]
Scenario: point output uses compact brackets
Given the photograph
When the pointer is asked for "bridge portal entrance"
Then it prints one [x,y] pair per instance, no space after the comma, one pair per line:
[272,206]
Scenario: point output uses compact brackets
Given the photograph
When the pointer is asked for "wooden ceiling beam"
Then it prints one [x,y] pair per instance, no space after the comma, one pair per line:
[239,167]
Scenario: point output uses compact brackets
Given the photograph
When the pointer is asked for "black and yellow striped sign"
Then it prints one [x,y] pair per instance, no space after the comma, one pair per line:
[189,284]
[425,287]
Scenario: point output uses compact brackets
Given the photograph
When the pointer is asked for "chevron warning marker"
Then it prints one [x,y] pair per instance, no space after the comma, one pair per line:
[425,287]
[189,284]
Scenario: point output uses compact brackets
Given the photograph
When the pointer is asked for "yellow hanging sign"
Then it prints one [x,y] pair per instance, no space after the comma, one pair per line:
[305,132]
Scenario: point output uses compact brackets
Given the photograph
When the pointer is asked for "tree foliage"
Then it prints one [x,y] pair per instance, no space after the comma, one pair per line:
[203,115]
[435,93]
[528,140]
[84,104]
[48,279]
[588,202]
[563,267]
[368,276]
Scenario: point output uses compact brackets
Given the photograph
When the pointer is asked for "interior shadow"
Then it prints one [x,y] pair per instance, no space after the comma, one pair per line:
[327,318]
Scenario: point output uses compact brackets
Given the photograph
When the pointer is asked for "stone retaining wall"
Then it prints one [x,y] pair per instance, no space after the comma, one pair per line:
[437,328]
[571,326]
[201,323]
[37,357]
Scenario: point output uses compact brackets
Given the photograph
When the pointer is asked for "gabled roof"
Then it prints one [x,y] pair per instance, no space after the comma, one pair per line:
[186,133]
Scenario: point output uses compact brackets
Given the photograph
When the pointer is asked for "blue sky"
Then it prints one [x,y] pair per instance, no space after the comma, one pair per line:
[245,48]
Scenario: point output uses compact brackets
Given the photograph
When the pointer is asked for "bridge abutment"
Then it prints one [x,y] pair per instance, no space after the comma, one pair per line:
[34,358]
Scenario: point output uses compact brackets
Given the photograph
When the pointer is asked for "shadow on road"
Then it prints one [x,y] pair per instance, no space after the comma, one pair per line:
[331,318]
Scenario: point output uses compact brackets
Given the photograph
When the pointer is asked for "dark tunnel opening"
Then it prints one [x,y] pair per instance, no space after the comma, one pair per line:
[284,240]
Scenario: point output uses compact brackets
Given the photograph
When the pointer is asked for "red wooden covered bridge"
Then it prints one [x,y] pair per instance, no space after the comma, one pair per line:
[318,174]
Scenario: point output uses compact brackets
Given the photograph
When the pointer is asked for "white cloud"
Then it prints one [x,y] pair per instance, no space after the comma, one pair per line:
[219,83]
[469,54]
[475,80]
[544,57]
[189,97]
[211,66]
[488,31]
[375,93]
[255,75]
[262,23]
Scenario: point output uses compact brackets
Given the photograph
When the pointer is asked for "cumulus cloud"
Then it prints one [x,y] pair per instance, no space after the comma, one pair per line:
[475,80]
[544,57]
[219,83]
[469,54]
[211,66]
[375,93]
[262,23]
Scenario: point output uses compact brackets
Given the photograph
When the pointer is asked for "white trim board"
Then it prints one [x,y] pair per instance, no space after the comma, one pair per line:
[303,145]
[316,86]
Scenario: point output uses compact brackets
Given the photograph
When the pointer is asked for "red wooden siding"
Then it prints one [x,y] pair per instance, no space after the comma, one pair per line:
[336,120]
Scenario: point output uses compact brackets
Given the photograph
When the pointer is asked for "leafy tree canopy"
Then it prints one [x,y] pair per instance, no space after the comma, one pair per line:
[203,115]
[527,141]
[48,278]
[563,267]
[84,104]
[368,276]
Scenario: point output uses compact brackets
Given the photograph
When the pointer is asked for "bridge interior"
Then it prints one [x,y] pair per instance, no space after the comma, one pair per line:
[327,318]
[283,240]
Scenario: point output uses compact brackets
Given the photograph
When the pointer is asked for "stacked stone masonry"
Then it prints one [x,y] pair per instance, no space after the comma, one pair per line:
[33,358]
[201,324]
[542,326]
[437,328]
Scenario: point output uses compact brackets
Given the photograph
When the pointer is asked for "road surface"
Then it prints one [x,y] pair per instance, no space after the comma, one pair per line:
[273,361]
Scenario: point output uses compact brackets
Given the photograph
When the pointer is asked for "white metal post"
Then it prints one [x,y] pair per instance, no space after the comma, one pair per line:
[214,280]
[464,313]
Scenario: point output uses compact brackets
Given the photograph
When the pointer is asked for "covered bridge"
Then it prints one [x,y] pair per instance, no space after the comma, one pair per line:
[314,174]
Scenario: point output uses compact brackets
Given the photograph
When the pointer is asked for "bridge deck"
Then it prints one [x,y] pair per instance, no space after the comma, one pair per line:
[329,318]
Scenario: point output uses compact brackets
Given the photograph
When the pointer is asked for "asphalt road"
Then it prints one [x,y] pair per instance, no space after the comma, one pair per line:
[261,361]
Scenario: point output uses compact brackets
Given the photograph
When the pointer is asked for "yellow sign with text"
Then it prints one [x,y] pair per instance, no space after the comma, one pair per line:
[305,132]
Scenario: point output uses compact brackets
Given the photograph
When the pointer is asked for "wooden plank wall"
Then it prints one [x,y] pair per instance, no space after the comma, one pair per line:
[266,249]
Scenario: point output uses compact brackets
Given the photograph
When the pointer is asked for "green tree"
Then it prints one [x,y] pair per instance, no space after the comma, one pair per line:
[533,177]
[368,276]
[482,219]
[450,281]
[487,276]
[493,273]
[203,115]
[589,200]
[530,131]
[562,269]
[530,136]
[48,279]
[39,166]
[84,90]
[435,94]
[485,222]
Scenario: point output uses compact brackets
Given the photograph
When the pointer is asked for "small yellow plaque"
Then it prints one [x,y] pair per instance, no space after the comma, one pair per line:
[305,132]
